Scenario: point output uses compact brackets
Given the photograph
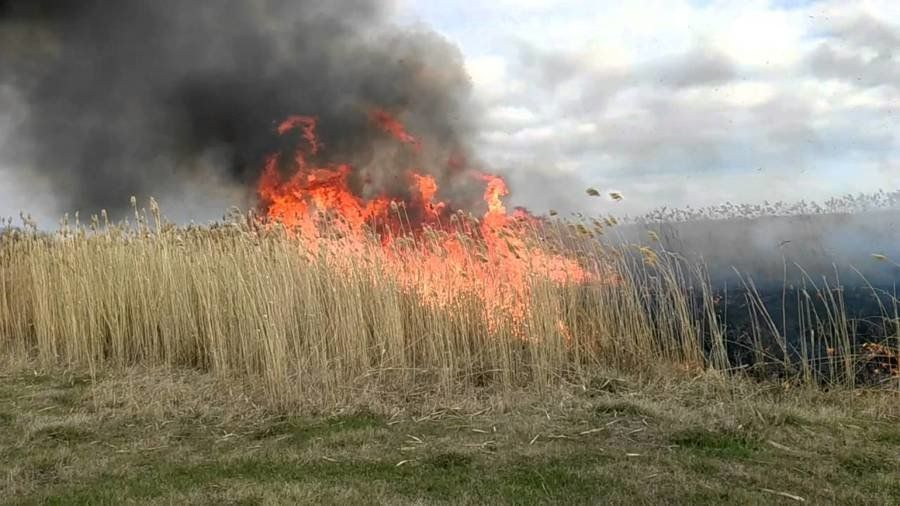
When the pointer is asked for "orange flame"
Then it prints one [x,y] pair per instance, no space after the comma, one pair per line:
[392,126]
[442,257]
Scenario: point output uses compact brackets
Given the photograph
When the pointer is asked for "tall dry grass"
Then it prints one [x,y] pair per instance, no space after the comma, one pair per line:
[238,299]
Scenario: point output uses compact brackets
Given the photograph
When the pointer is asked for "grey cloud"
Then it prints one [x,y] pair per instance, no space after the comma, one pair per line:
[667,126]
[663,131]
[700,66]
[858,35]
[867,31]
[548,68]
[668,129]
[597,84]
[826,62]
[785,122]
[552,71]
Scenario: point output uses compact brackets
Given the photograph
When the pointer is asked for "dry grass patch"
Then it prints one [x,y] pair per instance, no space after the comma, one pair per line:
[198,439]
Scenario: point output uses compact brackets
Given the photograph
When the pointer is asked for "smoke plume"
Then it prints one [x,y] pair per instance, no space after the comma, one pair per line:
[164,97]
[848,249]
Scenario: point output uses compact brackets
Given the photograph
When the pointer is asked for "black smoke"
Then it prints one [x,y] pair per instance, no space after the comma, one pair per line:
[125,97]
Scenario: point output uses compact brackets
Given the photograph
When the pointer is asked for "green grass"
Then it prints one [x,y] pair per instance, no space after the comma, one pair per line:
[304,429]
[606,407]
[890,437]
[433,480]
[181,437]
[62,433]
[863,464]
[724,444]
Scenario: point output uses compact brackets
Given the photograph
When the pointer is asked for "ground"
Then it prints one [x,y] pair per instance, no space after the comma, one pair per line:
[150,436]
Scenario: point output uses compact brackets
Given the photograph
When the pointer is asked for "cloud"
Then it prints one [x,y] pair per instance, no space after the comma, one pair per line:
[701,66]
[698,103]
[862,50]
[867,31]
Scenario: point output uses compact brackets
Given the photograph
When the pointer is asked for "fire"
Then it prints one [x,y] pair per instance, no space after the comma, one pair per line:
[396,129]
[430,250]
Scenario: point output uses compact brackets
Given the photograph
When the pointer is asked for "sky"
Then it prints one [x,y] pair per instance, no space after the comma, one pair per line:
[676,102]
[670,102]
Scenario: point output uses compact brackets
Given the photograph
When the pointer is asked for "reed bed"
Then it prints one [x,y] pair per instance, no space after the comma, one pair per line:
[238,299]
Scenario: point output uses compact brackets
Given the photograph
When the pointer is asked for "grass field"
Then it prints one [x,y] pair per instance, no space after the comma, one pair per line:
[181,437]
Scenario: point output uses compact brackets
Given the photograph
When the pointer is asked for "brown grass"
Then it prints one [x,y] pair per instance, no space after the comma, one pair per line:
[162,436]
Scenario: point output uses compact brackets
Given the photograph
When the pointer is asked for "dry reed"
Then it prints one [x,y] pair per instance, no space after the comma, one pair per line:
[238,299]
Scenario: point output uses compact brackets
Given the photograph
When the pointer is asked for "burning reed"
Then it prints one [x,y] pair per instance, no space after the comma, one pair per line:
[319,327]
[246,299]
